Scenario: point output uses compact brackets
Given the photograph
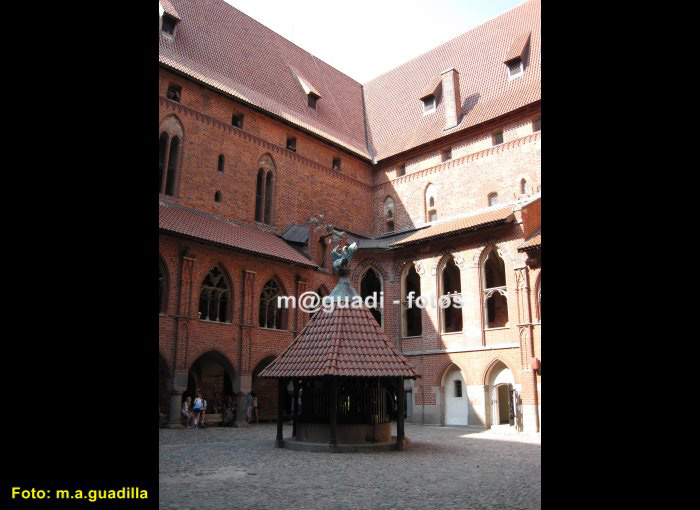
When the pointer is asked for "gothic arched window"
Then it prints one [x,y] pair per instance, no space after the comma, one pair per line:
[215,297]
[451,285]
[389,214]
[495,291]
[430,201]
[411,322]
[371,285]
[272,315]
[169,154]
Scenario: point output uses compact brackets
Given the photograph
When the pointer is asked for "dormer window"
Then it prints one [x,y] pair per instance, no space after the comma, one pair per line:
[291,143]
[336,164]
[168,25]
[515,68]
[312,95]
[237,120]
[517,54]
[312,100]
[431,94]
[428,104]
[174,92]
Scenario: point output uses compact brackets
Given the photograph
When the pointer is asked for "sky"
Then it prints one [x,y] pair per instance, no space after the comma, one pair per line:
[366,38]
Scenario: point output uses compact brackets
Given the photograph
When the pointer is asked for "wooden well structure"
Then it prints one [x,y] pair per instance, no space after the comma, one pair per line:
[348,380]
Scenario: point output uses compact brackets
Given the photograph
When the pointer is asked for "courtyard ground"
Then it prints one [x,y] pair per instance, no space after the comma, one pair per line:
[443,468]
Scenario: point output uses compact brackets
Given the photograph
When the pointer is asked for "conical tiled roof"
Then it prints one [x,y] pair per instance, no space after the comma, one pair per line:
[343,342]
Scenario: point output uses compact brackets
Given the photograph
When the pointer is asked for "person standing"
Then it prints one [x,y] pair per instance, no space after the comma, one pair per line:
[197,409]
[249,407]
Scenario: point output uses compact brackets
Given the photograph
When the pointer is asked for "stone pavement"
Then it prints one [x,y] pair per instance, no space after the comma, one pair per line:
[443,468]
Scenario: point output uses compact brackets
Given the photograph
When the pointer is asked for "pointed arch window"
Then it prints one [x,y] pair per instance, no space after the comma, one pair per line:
[411,320]
[523,187]
[371,285]
[220,164]
[495,293]
[169,155]
[430,203]
[451,286]
[264,194]
[389,214]
[271,315]
[215,297]
[493,199]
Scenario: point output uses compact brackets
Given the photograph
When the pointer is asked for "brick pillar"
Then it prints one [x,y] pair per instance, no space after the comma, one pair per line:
[298,314]
[528,395]
[178,384]
[245,371]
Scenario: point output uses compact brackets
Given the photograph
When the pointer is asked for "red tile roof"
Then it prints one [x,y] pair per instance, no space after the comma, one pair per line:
[344,342]
[220,46]
[534,242]
[459,225]
[395,119]
[199,225]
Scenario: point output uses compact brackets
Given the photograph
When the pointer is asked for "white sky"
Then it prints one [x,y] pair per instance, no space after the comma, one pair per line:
[365,38]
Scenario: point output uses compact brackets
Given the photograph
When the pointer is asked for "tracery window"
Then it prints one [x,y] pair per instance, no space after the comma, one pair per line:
[264,196]
[271,315]
[215,297]
[495,293]
[169,149]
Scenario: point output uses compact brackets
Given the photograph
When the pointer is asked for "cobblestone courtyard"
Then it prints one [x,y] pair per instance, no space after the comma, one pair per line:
[444,468]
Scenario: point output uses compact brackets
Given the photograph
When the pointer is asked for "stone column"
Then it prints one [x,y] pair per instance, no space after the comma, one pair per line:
[177,387]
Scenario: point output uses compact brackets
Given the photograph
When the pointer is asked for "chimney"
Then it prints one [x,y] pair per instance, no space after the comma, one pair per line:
[450,97]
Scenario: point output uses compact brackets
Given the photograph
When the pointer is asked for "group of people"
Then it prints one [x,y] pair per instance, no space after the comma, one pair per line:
[194,413]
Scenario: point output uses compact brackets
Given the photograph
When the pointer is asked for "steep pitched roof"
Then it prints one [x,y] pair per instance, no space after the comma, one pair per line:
[344,342]
[220,46]
[395,119]
[199,225]
[534,242]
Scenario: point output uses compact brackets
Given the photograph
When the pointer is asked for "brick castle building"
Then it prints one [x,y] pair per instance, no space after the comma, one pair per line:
[433,168]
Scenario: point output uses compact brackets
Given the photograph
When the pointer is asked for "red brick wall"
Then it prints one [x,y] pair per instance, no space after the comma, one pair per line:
[305,183]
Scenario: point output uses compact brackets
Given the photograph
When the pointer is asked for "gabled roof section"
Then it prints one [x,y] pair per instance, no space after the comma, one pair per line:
[221,47]
[519,47]
[395,121]
[304,84]
[169,9]
[432,87]
[206,227]
[343,342]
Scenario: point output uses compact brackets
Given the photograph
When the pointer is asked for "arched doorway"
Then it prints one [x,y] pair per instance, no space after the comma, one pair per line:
[266,391]
[213,376]
[456,402]
[504,396]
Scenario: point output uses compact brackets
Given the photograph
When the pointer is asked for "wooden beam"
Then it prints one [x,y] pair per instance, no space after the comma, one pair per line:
[332,405]
[295,407]
[279,443]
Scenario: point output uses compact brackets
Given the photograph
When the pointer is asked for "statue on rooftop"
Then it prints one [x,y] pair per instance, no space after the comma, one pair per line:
[342,253]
